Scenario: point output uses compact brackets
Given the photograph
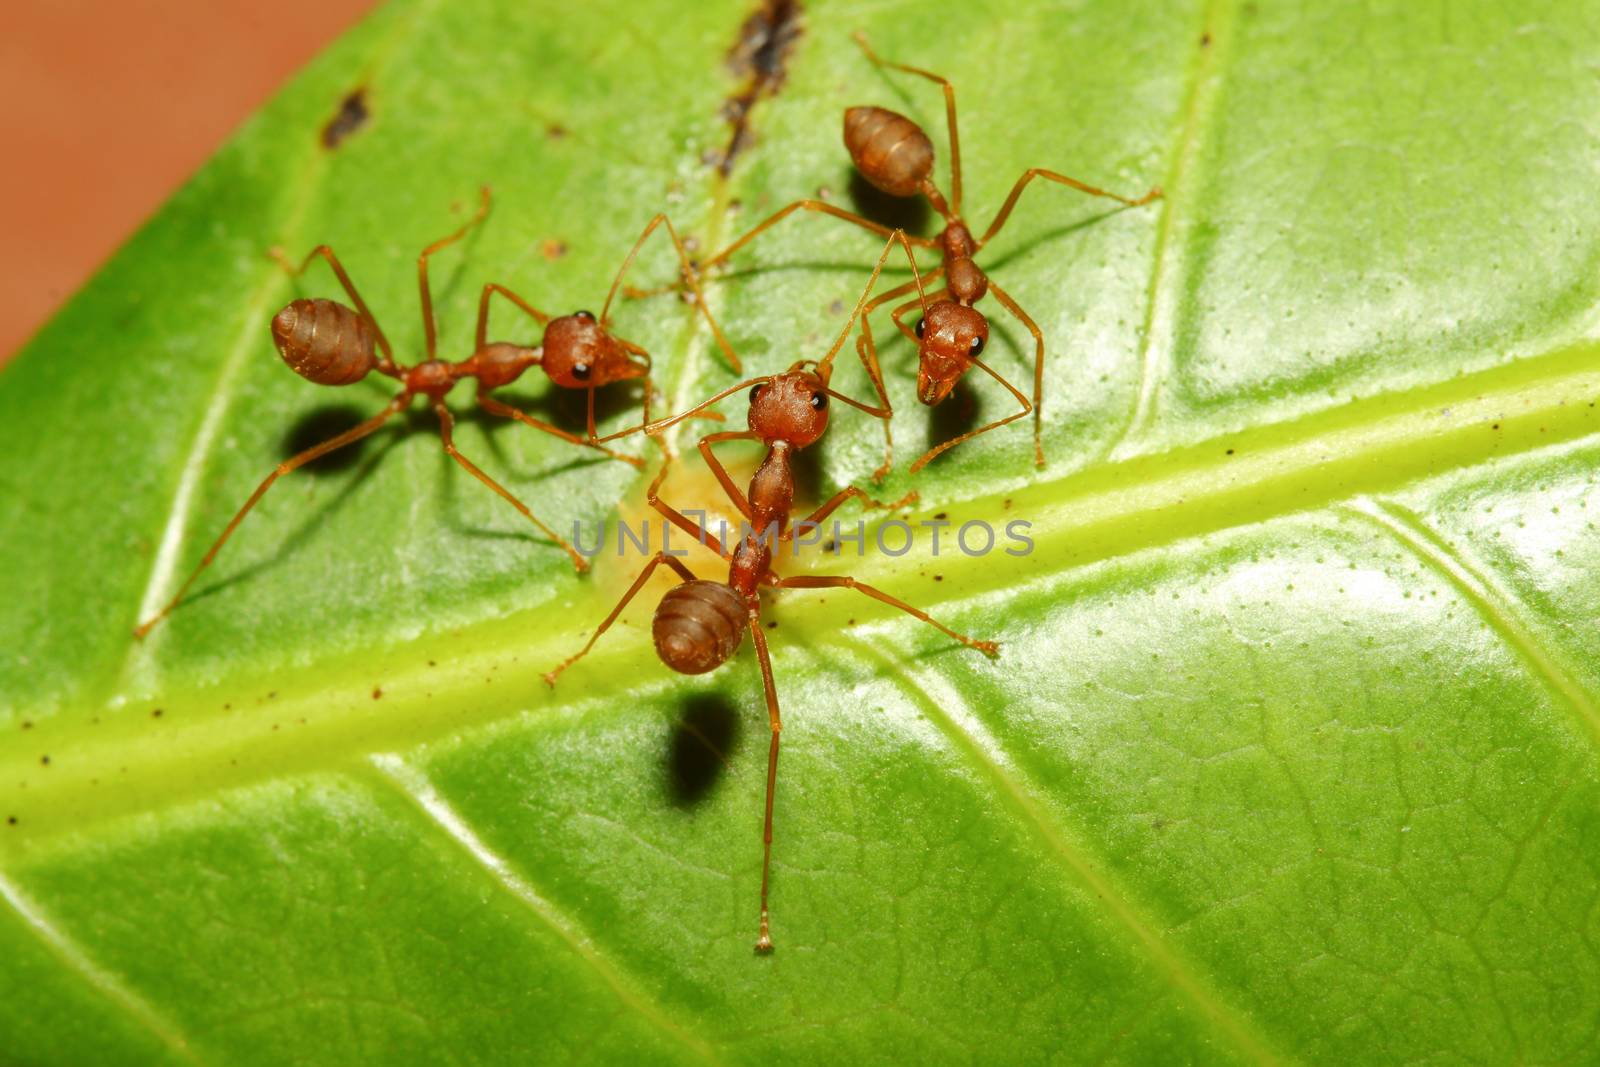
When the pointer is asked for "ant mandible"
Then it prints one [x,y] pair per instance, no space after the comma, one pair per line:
[330,343]
[894,154]
[700,623]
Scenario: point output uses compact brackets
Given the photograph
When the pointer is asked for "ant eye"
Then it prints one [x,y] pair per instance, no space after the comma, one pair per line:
[922,324]
[586,315]
[819,401]
[580,371]
[977,346]
[755,391]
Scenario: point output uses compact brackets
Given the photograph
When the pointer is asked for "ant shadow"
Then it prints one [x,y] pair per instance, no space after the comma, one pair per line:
[705,736]
[908,213]
[311,429]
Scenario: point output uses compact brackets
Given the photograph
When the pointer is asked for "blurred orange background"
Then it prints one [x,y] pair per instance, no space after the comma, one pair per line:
[106,106]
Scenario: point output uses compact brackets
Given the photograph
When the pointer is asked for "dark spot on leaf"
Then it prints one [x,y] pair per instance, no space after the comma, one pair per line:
[942,515]
[155,713]
[1205,39]
[351,116]
[773,625]
[1230,451]
[377,693]
[760,56]
[938,577]
[836,307]
[27,725]
[44,761]
[555,131]
[11,820]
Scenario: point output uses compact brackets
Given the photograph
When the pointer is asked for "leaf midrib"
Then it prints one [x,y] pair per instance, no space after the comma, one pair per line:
[117,759]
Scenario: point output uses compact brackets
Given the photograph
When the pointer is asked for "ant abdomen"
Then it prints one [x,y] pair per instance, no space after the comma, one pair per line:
[698,625]
[889,149]
[324,341]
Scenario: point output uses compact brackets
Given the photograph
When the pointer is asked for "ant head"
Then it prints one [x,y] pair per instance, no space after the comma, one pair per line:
[580,354]
[501,363]
[790,407]
[949,338]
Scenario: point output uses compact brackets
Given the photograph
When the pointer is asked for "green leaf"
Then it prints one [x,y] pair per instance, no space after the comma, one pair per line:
[1291,753]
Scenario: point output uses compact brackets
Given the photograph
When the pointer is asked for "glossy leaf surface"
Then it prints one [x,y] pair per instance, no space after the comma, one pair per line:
[1291,754]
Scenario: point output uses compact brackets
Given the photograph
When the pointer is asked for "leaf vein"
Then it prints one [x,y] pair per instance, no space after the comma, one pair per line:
[113,988]
[416,787]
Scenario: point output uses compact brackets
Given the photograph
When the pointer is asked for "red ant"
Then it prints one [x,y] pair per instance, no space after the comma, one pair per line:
[894,154]
[330,343]
[700,623]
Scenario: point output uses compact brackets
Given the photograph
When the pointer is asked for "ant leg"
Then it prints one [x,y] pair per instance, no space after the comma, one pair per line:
[698,411]
[682,522]
[949,110]
[506,411]
[1039,172]
[428,328]
[729,486]
[325,252]
[810,205]
[1022,400]
[638,583]
[355,433]
[818,581]
[689,275]
[483,311]
[1038,366]
[446,425]
[838,499]
[764,939]
[898,314]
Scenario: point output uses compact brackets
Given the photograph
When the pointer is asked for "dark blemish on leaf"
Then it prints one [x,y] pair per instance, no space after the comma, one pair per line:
[44,761]
[1006,503]
[1230,451]
[11,820]
[431,663]
[760,56]
[836,308]
[831,546]
[849,622]
[155,713]
[552,248]
[27,725]
[1205,39]
[773,625]
[351,116]
[272,695]
[938,577]
[377,694]
[555,131]
[942,515]
[1496,426]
